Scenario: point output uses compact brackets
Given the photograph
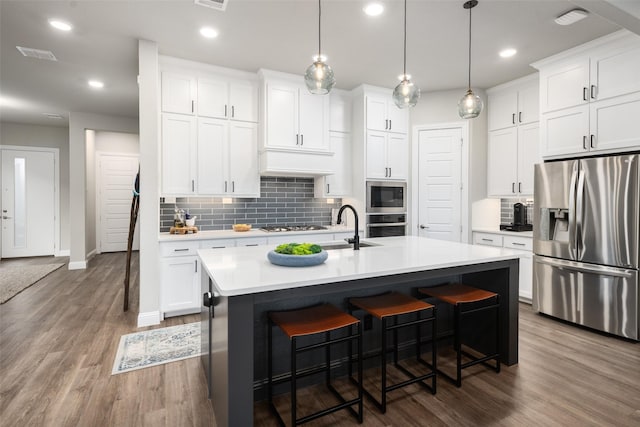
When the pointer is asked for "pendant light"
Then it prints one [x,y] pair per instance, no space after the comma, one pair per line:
[319,76]
[405,94]
[470,105]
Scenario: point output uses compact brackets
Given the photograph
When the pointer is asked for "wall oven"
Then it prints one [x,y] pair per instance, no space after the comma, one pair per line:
[386,225]
[386,197]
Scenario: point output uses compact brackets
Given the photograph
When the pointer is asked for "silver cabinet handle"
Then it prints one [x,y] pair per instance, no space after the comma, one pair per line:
[301,139]
[513,187]
[386,124]
[518,244]
[225,186]
[389,172]
[328,189]
[233,186]
[297,139]
[592,142]
[193,106]
[520,117]
[584,142]
[181,250]
[225,110]
[519,187]
[196,265]
[390,126]
[487,240]
[513,119]
[593,91]
[193,185]
[584,94]
[233,111]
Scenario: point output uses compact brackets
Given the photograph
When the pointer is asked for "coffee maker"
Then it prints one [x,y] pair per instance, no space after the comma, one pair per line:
[519,219]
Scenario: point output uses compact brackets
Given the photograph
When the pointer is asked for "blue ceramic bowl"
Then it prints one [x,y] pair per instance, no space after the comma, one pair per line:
[297,260]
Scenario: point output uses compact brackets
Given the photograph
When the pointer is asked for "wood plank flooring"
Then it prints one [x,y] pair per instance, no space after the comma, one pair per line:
[58,340]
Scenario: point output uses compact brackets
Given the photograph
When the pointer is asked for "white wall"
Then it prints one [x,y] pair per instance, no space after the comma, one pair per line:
[117,142]
[149,95]
[78,124]
[52,137]
[442,107]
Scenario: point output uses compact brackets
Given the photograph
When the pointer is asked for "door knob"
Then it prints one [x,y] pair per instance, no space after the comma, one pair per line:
[423,227]
[6,217]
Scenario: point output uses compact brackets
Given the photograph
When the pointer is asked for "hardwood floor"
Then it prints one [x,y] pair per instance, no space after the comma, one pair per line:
[58,340]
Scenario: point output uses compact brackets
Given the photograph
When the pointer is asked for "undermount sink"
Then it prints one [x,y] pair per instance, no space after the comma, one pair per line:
[346,246]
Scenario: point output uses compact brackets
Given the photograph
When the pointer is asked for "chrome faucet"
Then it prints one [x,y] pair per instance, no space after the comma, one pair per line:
[356,238]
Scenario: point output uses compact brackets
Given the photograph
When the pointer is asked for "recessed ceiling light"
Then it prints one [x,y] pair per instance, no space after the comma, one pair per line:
[571,17]
[508,53]
[96,84]
[374,9]
[60,25]
[208,32]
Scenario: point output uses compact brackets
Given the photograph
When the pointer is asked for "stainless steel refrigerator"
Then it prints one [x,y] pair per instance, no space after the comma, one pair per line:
[586,242]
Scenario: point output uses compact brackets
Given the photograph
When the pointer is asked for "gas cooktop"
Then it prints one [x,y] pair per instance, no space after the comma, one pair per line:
[276,228]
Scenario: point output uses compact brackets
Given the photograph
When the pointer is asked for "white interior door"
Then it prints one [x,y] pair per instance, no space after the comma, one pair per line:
[28,203]
[117,175]
[440,183]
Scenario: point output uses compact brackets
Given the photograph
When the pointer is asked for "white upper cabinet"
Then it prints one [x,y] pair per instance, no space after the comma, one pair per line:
[387,156]
[590,98]
[179,149]
[340,111]
[514,103]
[295,118]
[178,93]
[228,99]
[513,144]
[242,153]
[337,184]
[383,115]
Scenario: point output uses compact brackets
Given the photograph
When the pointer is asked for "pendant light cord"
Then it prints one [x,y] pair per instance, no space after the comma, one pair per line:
[469,86]
[319,39]
[404,72]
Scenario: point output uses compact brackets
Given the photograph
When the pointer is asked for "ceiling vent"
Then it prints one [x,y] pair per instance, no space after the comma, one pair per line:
[213,4]
[53,116]
[571,17]
[37,53]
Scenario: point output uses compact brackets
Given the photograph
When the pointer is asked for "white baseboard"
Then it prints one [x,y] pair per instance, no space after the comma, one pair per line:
[149,318]
[78,265]
[91,254]
[64,252]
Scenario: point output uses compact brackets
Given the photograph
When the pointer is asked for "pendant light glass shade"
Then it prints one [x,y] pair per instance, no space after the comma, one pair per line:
[470,105]
[406,95]
[319,76]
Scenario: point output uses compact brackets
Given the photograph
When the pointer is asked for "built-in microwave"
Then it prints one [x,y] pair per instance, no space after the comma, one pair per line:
[386,197]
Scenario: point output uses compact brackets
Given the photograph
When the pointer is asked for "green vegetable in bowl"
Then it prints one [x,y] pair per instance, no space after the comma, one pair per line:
[298,248]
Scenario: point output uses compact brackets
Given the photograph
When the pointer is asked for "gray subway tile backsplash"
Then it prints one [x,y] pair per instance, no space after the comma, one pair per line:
[283,200]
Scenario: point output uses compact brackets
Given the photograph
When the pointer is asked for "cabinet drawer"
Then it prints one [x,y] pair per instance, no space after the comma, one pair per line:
[217,243]
[251,241]
[487,239]
[515,242]
[179,248]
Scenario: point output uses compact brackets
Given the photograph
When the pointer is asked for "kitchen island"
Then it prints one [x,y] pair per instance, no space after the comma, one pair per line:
[245,286]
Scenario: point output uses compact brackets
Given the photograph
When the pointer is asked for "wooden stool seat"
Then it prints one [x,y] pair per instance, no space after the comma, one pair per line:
[457,293]
[311,320]
[391,304]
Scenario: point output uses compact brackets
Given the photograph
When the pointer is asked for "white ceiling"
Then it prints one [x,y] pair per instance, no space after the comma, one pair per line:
[279,35]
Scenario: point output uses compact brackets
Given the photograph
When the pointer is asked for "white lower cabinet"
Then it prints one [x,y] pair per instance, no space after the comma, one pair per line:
[179,279]
[521,243]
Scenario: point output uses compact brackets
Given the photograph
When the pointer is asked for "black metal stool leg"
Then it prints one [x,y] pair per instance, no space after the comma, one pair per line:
[434,348]
[498,333]
[294,355]
[458,345]
[383,357]
[270,364]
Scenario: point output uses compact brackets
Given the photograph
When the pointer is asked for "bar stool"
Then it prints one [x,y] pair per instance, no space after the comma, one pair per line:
[462,298]
[317,319]
[392,305]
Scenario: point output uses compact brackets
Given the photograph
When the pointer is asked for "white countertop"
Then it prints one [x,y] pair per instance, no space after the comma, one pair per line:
[254,232]
[505,232]
[246,270]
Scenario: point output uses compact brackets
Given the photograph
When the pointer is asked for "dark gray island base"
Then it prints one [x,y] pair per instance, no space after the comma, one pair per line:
[234,329]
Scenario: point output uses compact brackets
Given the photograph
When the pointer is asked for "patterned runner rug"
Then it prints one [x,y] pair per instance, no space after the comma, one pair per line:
[157,346]
[15,279]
